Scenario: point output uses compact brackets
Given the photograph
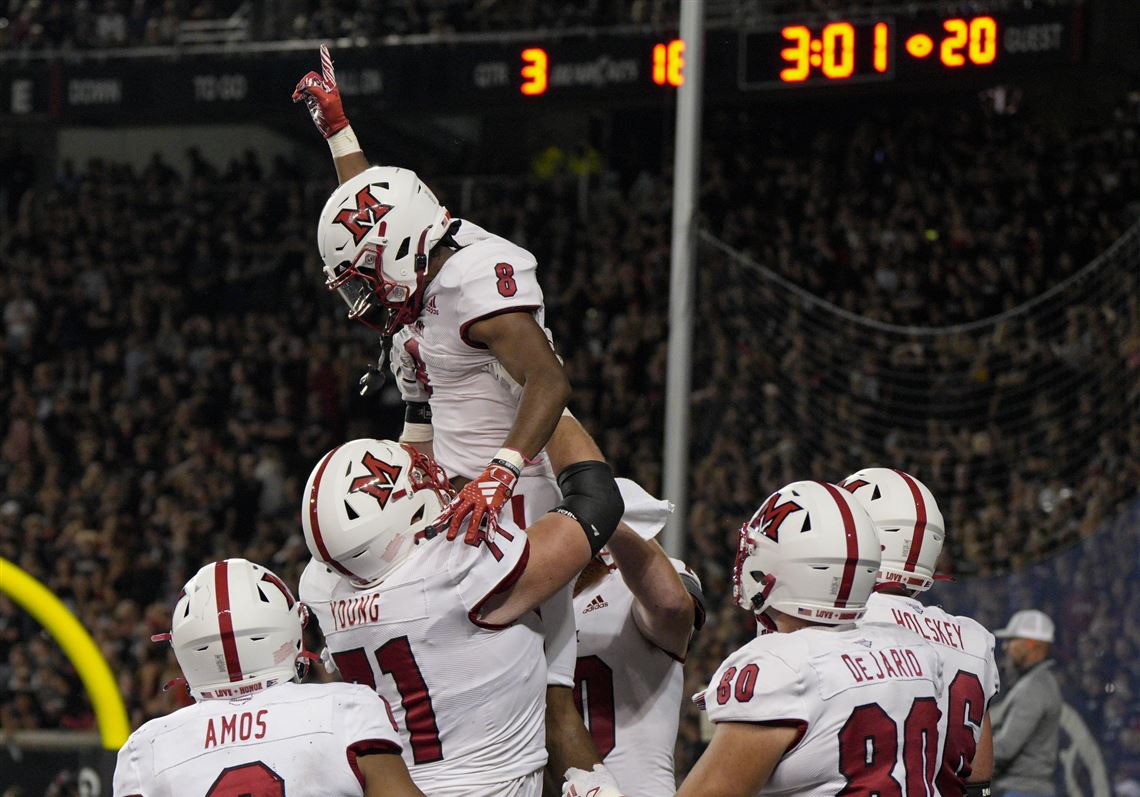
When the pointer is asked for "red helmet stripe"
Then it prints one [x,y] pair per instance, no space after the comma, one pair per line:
[848,578]
[315,524]
[226,620]
[919,522]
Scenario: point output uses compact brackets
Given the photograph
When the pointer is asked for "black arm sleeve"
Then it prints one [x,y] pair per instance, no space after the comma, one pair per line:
[591,496]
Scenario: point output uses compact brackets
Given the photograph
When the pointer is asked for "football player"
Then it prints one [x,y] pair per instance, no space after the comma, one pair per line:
[911,533]
[840,709]
[445,631]
[473,313]
[255,729]
[636,611]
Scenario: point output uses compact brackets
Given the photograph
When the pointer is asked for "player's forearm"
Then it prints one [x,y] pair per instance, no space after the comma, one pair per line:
[350,165]
[663,608]
[982,767]
[571,443]
[544,396]
[568,743]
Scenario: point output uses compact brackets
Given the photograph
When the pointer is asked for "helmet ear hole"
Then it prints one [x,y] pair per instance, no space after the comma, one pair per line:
[405,245]
[416,518]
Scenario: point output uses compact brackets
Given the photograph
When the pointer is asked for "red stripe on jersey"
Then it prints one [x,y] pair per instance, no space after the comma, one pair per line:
[315,524]
[226,620]
[848,578]
[508,581]
[522,308]
[919,522]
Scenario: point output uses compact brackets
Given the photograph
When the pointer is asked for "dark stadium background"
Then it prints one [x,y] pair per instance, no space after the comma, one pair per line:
[937,272]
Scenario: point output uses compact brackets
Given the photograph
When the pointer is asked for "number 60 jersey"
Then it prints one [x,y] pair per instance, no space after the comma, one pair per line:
[865,702]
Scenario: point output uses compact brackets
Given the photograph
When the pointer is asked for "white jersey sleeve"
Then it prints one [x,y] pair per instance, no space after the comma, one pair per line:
[128,780]
[366,724]
[505,281]
[474,580]
[758,684]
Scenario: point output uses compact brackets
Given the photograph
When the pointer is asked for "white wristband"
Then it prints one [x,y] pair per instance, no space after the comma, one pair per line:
[343,142]
[416,433]
[512,457]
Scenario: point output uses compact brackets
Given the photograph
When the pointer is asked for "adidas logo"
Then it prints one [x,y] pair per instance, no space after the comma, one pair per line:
[598,602]
[431,308]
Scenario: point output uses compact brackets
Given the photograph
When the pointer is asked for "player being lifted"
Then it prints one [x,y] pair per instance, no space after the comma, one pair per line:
[636,610]
[840,709]
[236,633]
[445,631]
[472,313]
[911,533]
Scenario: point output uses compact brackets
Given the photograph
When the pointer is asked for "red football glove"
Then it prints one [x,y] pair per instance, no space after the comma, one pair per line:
[482,499]
[322,96]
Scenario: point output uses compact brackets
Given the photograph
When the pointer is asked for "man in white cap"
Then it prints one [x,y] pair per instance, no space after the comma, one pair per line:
[1026,722]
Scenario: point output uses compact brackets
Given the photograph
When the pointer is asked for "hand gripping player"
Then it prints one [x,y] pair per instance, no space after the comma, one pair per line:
[472,311]
[255,729]
[636,612]
[840,709]
[911,533]
[446,631]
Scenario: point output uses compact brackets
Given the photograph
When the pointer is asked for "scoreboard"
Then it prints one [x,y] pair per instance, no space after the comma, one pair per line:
[925,50]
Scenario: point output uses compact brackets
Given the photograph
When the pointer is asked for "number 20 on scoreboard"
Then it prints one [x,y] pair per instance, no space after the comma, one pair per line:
[842,50]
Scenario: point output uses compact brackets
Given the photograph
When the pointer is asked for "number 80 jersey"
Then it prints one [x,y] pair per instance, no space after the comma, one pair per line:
[865,702]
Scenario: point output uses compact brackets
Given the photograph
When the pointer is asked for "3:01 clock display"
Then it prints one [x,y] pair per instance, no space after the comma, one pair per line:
[843,51]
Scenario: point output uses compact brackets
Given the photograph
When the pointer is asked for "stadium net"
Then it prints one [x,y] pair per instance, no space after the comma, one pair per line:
[1021,424]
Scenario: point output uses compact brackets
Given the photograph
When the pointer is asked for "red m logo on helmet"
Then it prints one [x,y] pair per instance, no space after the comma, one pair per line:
[380,482]
[769,518]
[369,210]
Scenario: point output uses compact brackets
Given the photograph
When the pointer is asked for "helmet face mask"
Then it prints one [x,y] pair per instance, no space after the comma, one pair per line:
[375,234]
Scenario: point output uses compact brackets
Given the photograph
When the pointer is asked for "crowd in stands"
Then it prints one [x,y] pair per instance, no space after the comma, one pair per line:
[173,367]
[30,25]
[102,24]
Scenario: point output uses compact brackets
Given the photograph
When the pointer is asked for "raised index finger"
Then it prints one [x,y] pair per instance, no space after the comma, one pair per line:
[327,66]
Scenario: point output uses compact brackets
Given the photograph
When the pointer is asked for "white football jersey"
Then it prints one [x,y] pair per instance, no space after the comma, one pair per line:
[628,690]
[473,403]
[296,739]
[970,677]
[865,701]
[468,697]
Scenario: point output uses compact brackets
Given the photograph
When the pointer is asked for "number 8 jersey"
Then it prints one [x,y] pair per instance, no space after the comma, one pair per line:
[469,698]
[473,407]
[865,702]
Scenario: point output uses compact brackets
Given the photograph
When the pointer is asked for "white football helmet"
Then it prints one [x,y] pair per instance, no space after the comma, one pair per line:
[366,505]
[236,630]
[811,552]
[909,524]
[374,236]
